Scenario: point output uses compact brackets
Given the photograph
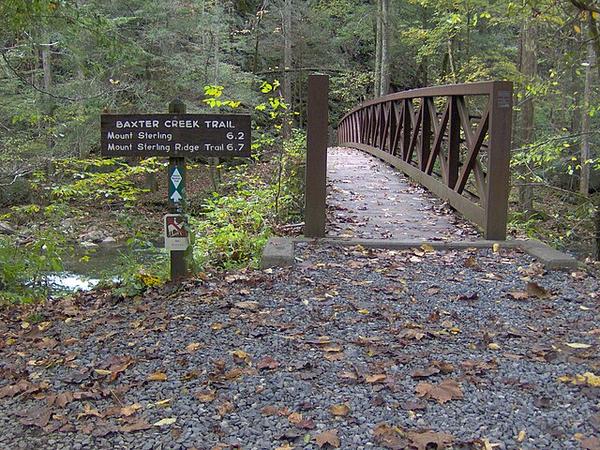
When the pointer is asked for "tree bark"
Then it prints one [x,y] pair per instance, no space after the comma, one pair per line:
[529,71]
[287,64]
[584,180]
[384,85]
[378,38]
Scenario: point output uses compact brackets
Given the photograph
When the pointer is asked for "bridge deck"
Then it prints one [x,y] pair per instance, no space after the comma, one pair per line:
[367,198]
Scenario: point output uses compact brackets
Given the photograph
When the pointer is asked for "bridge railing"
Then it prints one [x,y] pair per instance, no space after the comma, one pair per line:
[454,140]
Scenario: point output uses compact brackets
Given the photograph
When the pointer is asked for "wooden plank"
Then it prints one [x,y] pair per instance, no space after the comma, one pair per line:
[468,209]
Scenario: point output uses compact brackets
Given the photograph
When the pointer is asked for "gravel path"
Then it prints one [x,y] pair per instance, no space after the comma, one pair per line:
[352,348]
[367,198]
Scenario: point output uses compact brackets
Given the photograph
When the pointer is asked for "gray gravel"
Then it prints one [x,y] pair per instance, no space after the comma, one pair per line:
[339,314]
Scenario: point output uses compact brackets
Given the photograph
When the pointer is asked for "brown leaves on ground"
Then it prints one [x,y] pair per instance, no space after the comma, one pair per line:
[591,443]
[390,437]
[443,392]
[328,437]
[206,396]
[340,410]
[267,363]
[533,290]
[420,440]
[22,387]
[157,376]
[396,438]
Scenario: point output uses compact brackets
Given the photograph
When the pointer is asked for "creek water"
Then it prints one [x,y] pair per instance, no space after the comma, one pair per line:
[89,267]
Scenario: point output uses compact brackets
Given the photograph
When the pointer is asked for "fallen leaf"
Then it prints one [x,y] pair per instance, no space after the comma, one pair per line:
[38,417]
[591,443]
[164,403]
[22,387]
[341,410]
[139,425]
[519,295]
[157,376]
[267,363]
[240,356]
[251,306]
[295,418]
[521,436]
[587,378]
[424,373]
[225,408]
[191,348]
[206,396]
[443,392]
[334,348]
[578,345]
[389,437]
[493,346]
[421,440]
[378,378]
[165,422]
[535,290]
[130,410]
[328,437]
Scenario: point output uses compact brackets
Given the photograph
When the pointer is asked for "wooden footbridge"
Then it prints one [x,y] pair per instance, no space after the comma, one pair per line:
[454,140]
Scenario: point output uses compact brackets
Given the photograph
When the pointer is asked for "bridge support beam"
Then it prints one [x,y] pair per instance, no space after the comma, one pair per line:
[316,156]
[498,170]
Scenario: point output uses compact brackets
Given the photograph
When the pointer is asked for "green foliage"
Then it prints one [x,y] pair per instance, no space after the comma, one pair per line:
[24,267]
[235,224]
[105,180]
[137,275]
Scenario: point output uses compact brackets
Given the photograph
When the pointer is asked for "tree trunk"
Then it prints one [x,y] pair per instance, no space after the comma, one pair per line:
[384,85]
[584,180]
[287,64]
[378,39]
[529,71]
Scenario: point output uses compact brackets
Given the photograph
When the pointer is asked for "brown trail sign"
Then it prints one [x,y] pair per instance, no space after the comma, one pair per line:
[175,135]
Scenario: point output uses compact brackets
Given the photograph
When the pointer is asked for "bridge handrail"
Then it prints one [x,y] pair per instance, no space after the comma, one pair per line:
[392,128]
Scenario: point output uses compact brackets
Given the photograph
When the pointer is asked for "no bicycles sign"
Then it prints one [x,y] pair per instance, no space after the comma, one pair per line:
[176,232]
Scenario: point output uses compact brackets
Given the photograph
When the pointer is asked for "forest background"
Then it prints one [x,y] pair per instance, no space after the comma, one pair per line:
[63,62]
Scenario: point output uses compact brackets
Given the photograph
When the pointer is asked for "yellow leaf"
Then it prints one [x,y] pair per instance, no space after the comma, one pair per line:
[240,354]
[595,15]
[588,378]
[163,403]
[166,421]
[102,372]
[493,346]
[521,436]
[577,345]
[364,311]
[157,376]
[427,248]
[216,326]
[496,247]
[577,28]
[193,347]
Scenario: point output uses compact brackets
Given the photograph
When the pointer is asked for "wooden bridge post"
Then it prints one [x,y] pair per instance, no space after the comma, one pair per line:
[316,156]
[498,171]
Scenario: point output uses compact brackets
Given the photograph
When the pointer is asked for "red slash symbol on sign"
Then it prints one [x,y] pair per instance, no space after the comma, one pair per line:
[176,226]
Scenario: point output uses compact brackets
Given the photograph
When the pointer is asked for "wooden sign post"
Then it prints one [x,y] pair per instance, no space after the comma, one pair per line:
[178,136]
[177,200]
